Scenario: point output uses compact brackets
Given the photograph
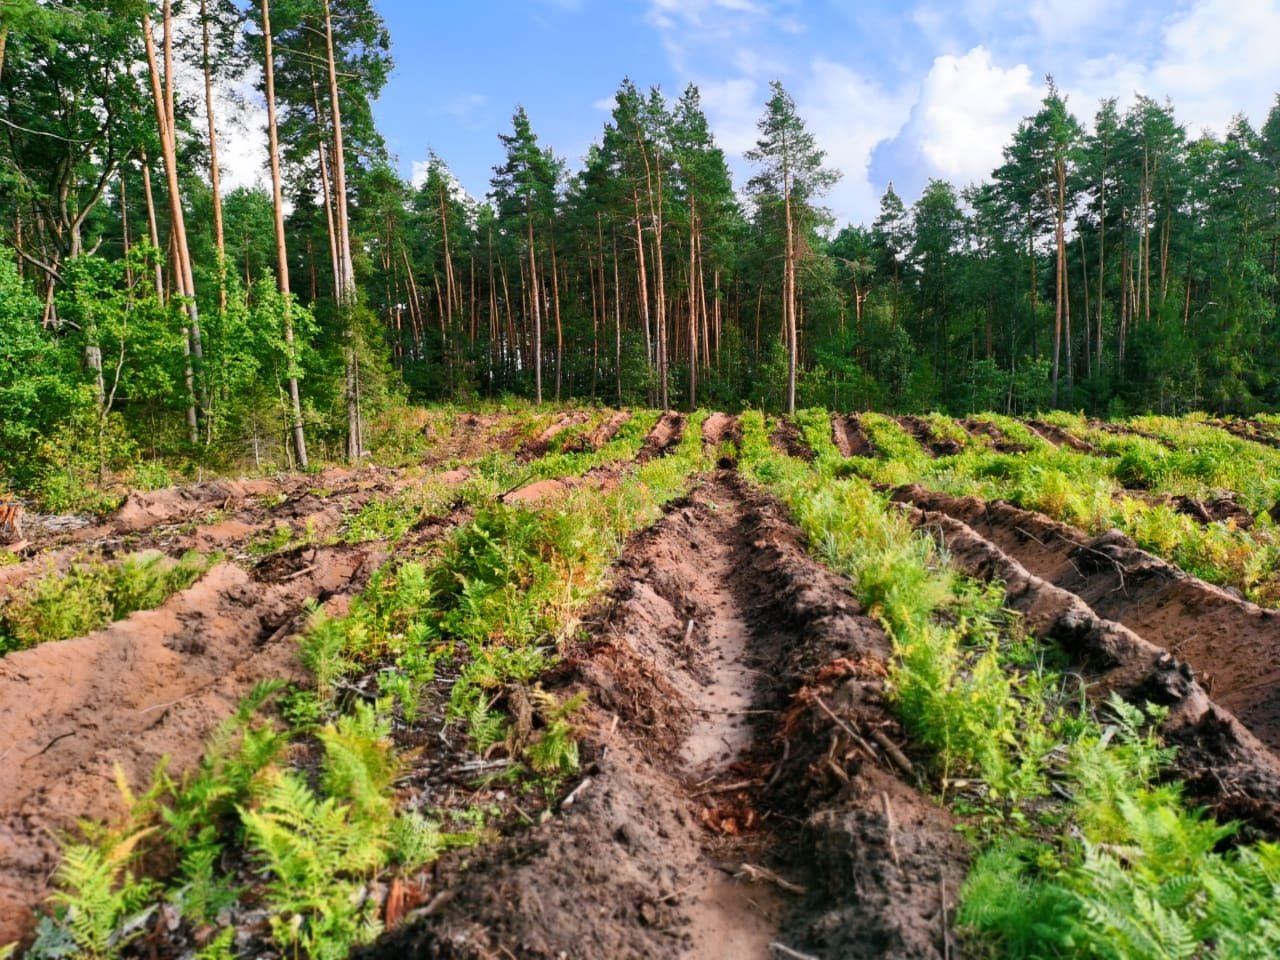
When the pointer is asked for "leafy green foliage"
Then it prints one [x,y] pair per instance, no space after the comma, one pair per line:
[91,594]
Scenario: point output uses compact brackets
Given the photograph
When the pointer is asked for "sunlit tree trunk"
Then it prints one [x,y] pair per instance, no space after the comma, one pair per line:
[282,255]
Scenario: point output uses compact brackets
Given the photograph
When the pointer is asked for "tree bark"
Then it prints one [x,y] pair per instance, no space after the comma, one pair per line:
[347,279]
[282,254]
[214,179]
[182,274]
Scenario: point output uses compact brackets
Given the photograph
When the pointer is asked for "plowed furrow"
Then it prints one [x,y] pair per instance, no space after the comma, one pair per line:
[664,435]
[711,678]
[1141,628]
[1059,437]
[849,437]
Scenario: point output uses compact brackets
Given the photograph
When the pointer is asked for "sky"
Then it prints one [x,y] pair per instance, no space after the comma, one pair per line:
[894,92]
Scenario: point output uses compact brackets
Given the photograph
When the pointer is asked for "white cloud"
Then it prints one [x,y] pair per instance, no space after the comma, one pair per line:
[968,106]
[733,107]
[1060,20]
[849,116]
[1219,58]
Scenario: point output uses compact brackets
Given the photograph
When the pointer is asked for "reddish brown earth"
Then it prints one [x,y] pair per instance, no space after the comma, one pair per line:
[1141,627]
[717,672]
[849,437]
[1058,436]
[1264,433]
[744,792]
[786,439]
[985,428]
[919,429]
[664,435]
[155,684]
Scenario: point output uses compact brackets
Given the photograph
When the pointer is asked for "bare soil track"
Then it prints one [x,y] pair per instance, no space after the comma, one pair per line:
[849,437]
[729,676]
[919,429]
[153,685]
[1144,628]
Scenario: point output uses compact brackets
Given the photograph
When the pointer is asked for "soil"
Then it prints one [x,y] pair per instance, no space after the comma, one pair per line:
[1059,436]
[153,685]
[1123,430]
[1143,628]
[540,444]
[744,791]
[919,429]
[726,673]
[985,428]
[664,435]
[786,439]
[849,437]
[1263,433]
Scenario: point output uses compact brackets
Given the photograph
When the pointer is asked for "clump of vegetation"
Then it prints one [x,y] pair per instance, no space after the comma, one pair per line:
[1121,867]
[90,594]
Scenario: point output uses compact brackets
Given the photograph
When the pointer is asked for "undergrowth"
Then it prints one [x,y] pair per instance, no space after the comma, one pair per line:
[304,811]
[1086,850]
[92,593]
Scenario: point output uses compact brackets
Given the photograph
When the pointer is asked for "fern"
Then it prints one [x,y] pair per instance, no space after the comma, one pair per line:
[415,841]
[359,766]
[314,850]
[99,892]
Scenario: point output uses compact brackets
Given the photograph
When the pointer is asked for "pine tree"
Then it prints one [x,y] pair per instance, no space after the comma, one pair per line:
[791,177]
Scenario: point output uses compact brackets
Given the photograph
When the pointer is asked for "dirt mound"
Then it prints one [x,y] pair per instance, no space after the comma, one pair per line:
[601,434]
[153,685]
[1100,597]
[919,429]
[718,430]
[718,622]
[786,439]
[849,437]
[1058,436]
[539,445]
[1124,430]
[143,510]
[1263,433]
[985,428]
[665,433]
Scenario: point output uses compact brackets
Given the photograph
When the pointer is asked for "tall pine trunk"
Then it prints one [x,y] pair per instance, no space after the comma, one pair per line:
[282,254]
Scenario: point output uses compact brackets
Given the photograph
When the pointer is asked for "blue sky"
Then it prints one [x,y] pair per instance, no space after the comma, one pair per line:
[893,91]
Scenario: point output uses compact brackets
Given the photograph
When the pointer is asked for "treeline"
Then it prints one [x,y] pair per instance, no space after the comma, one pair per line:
[143,313]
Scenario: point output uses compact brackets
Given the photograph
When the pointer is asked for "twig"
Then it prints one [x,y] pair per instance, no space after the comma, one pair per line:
[896,755]
[857,738]
[573,794]
[750,871]
[779,950]
[777,767]
[891,828]
[726,788]
[946,924]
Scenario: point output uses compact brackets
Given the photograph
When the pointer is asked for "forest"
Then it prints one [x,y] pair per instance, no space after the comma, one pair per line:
[1115,266]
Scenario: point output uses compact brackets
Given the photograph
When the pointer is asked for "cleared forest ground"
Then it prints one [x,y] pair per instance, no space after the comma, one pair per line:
[690,746]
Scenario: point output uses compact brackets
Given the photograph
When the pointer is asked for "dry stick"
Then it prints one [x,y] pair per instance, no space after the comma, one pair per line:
[895,754]
[778,949]
[857,738]
[755,874]
[890,828]
[946,926]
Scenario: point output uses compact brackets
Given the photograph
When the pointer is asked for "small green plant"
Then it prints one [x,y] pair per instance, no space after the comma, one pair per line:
[92,593]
